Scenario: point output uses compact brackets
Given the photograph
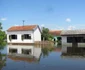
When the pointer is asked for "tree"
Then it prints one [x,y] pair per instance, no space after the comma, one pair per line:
[59,40]
[2,37]
[45,34]
[2,44]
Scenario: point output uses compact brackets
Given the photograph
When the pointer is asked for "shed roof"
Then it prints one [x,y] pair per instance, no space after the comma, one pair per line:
[22,28]
[73,32]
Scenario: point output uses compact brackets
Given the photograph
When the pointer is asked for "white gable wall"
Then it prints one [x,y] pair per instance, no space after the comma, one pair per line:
[37,35]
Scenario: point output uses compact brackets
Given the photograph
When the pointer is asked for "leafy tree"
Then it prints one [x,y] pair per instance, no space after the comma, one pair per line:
[45,34]
[59,40]
[2,37]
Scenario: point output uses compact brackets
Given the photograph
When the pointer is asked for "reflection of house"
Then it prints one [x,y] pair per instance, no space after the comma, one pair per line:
[32,59]
[73,37]
[55,33]
[24,51]
[69,51]
[24,34]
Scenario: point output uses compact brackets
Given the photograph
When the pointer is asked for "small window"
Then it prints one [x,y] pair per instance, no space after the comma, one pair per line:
[12,50]
[13,36]
[26,51]
[26,36]
[69,39]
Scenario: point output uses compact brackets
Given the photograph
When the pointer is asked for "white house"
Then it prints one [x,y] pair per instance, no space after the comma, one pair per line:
[28,34]
[73,37]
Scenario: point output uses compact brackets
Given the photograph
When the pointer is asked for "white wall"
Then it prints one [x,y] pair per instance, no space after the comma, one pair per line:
[64,41]
[19,40]
[35,51]
[37,35]
[19,48]
[81,44]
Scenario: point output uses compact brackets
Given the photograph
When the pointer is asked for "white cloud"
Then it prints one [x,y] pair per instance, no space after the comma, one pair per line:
[71,27]
[3,19]
[42,25]
[68,20]
[16,25]
[59,28]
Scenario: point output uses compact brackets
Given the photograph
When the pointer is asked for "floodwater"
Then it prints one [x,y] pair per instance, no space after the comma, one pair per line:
[45,58]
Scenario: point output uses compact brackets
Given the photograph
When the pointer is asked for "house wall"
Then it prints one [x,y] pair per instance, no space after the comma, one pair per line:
[19,48]
[64,41]
[81,44]
[19,39]
[35,51]
[37,35]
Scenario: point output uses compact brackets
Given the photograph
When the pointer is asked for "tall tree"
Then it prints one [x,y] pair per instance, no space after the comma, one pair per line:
[2,37]
[45,34]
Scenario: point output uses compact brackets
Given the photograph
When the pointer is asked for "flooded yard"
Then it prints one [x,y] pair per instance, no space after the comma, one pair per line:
[44,58]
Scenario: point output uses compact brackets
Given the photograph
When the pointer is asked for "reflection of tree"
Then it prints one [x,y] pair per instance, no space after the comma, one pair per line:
[2,44]
[2,60]
[46,51]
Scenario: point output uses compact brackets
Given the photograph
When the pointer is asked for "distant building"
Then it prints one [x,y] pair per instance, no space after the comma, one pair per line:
[55,33]
[23,34]
[73,37]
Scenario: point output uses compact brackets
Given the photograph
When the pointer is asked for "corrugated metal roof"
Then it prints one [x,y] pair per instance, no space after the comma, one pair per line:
[72,32]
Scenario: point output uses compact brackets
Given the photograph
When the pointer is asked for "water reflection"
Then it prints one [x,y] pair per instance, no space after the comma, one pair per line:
[41,58]
[46,51]
[73,51]
[24,53]
[21,57]
[2,60]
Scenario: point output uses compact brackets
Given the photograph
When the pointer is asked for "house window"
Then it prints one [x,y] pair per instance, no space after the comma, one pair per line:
[75,39]
[12,50]
[69,39]
[13,36]
[26,36]
[26,51]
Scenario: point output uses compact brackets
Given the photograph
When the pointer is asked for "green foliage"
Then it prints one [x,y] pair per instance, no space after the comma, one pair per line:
[2,38]
[22,37]
[45,34]
[59,40]
[0,26]
[2,61]
[46,51]
[10,37]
